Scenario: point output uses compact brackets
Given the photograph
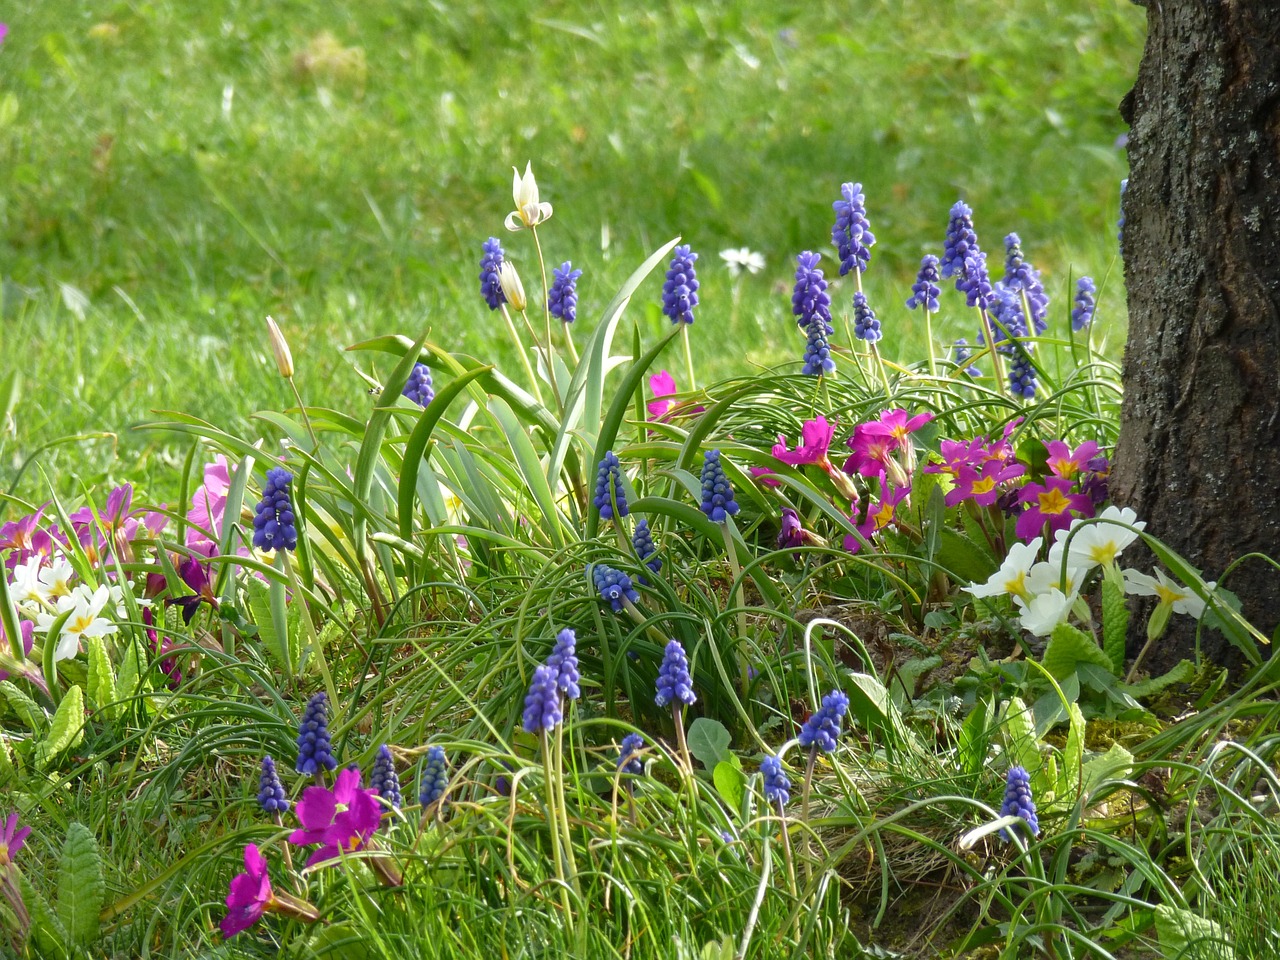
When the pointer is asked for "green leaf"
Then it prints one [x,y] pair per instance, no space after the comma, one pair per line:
[1184,935]
[709,741]
[26,709]
[8,772]
[530,467]
[966,559]
[47,933]
[131,666]
[1073,753]
[1023,747]
[66,729]
[869,702]
[1115,763]
[730,783]
[1069,647]
[101,685]
[80,885]
[1183,672]
[272,635]
[975,737]
[1115,619]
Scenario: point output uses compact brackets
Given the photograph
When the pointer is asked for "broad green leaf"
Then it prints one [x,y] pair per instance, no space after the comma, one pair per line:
[1115,619]
[101,684]
[1115,763]
[273,635]
[1183,672]
[9,621]
[80,885]
[1023,747]
[966,559]
[66,729]
[531,469]
[8,772]
[1073,753]
[1184,935]
[730,783]
[975,737]
[26,709]
[1069,647]
[47,934]
[869,702]
[709,741]
[131,667]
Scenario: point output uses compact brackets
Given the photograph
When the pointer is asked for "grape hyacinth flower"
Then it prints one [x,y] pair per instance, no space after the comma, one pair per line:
[675,685]
[384,779]
[717,494]
[273,521]
[628,754]
[680,291]
[614,586]
[925,291]
[562,299]
[435,778]
[418,387]
[564,660]
[960,354]
[809,299]
[852,234]
[817,352]
[271,796]
[490,285]
[542,711]
[1018,801]
[1022,376]
[865,325]
[609,492]
[1082,315]
[642,543]
[963,259]
[822,729]
[1021,276]
[777,786]
[314,749]
[342,820]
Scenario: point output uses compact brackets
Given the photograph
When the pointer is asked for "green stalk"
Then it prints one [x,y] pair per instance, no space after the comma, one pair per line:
[928,332]
[313,641]
[524,355]
[563,811]
[549,354]
[997,361]
[548,767]
[688,356]
[736,600]
[875,350]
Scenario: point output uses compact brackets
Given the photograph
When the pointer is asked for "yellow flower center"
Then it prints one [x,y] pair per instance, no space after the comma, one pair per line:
[1063,467]
[79,624]
[1103,553]
[883,515]
[1169,595]
[1017,586]
[984,485]
[1053,502]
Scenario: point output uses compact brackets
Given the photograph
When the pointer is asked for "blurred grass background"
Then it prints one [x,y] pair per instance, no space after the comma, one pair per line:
[174,170]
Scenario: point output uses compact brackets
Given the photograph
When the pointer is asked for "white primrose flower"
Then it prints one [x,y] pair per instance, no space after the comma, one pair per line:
[1011,578]
[1099,543]
[1045,611]
[744,258]
[25,587]
[528,212]
[1047,575]
[85,620]
[1181,599]
[55,579]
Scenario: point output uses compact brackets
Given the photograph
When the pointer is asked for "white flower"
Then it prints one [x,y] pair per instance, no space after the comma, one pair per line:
[1182,599]
[1101,542]
[528,212]
[1011,578]
[1045,611]
[117,600]
[25,587]
[1047,575]
[84,621]
[741,259]
[55,579]
[512,288]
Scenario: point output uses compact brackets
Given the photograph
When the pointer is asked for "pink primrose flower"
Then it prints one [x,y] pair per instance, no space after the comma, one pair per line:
[1052,503]
[662,385]
[764,476]
[342,819]
[815,442]
[879,515]
[250,895]
[1068,463]
[982,485]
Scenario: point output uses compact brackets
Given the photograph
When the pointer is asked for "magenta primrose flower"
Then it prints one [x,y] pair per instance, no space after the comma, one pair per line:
[116,526]
[982,484]
[661,385]
[12,839]
[879,515]
[342,819]
[764,476]
[208,507]
[1053,504]
[871,450]
[18,537]
[815,441]
[250,896]
[1068,463]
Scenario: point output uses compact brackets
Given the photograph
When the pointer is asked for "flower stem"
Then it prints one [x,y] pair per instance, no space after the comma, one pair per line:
[688,356]
[928,332]
[732,553]
[315,442]
[786,849]
[546,315]
[677,711]
[997,361]
[524,355]
[548,767]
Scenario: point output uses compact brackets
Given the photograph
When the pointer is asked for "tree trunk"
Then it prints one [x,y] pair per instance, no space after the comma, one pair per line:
[1199,451]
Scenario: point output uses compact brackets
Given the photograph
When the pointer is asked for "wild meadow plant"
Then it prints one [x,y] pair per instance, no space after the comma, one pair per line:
[434,576]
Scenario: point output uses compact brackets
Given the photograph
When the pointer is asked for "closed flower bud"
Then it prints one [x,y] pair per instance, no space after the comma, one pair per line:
[284,359]
[512,288]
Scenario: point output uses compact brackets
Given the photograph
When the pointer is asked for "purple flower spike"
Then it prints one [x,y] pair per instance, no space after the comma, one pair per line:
[614,586]
[675,685]
[418,387]
[628,759]
[852,231]
[1082,315]
[642,542]
[273,522]
[564,660]
[314,750]
[809,299]
[1018,801]
[717,495]
[562,299]
[865,325]
[960,354]
[817,352]
[435,778]
[680,292]
[1020,276]
[384,778]
[609,488]
[925,291]
[271,795]
[963,259]
[777,786]
[822,729]
[542,703]
[490,285]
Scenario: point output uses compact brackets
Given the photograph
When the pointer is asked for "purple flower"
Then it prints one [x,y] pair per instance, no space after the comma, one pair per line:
[27,629]
[609,490]
[680,292]
[809,299]
[273,521]
[865,325]
[564,660]
[1022,375]
[418,387]
[822,729]
[962,258]
[1020,276]
[614,586]
[1082,315]
[314,750]
[791,534]
[1018,801]
[852,232]
[542,703]
[817,352]
[628,759]
[675,685]
[170,666]
[196,576]
[777,787]
[562,300]
[342,819]
[271,796]
[960,354]
[250,895]
[435,778]
[490,285]
[12,839]
[1094,485]
[642,543]
[384,779]
[717,494]
[925,291]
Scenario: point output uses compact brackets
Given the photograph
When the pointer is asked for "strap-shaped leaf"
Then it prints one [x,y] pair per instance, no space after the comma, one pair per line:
[26,709]
[101,684]
[80,885]
[66,729]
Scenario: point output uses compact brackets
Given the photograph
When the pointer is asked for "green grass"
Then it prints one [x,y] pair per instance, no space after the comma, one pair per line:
[177,164]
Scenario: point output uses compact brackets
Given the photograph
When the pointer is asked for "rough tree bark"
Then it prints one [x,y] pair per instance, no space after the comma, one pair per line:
[1199,449]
